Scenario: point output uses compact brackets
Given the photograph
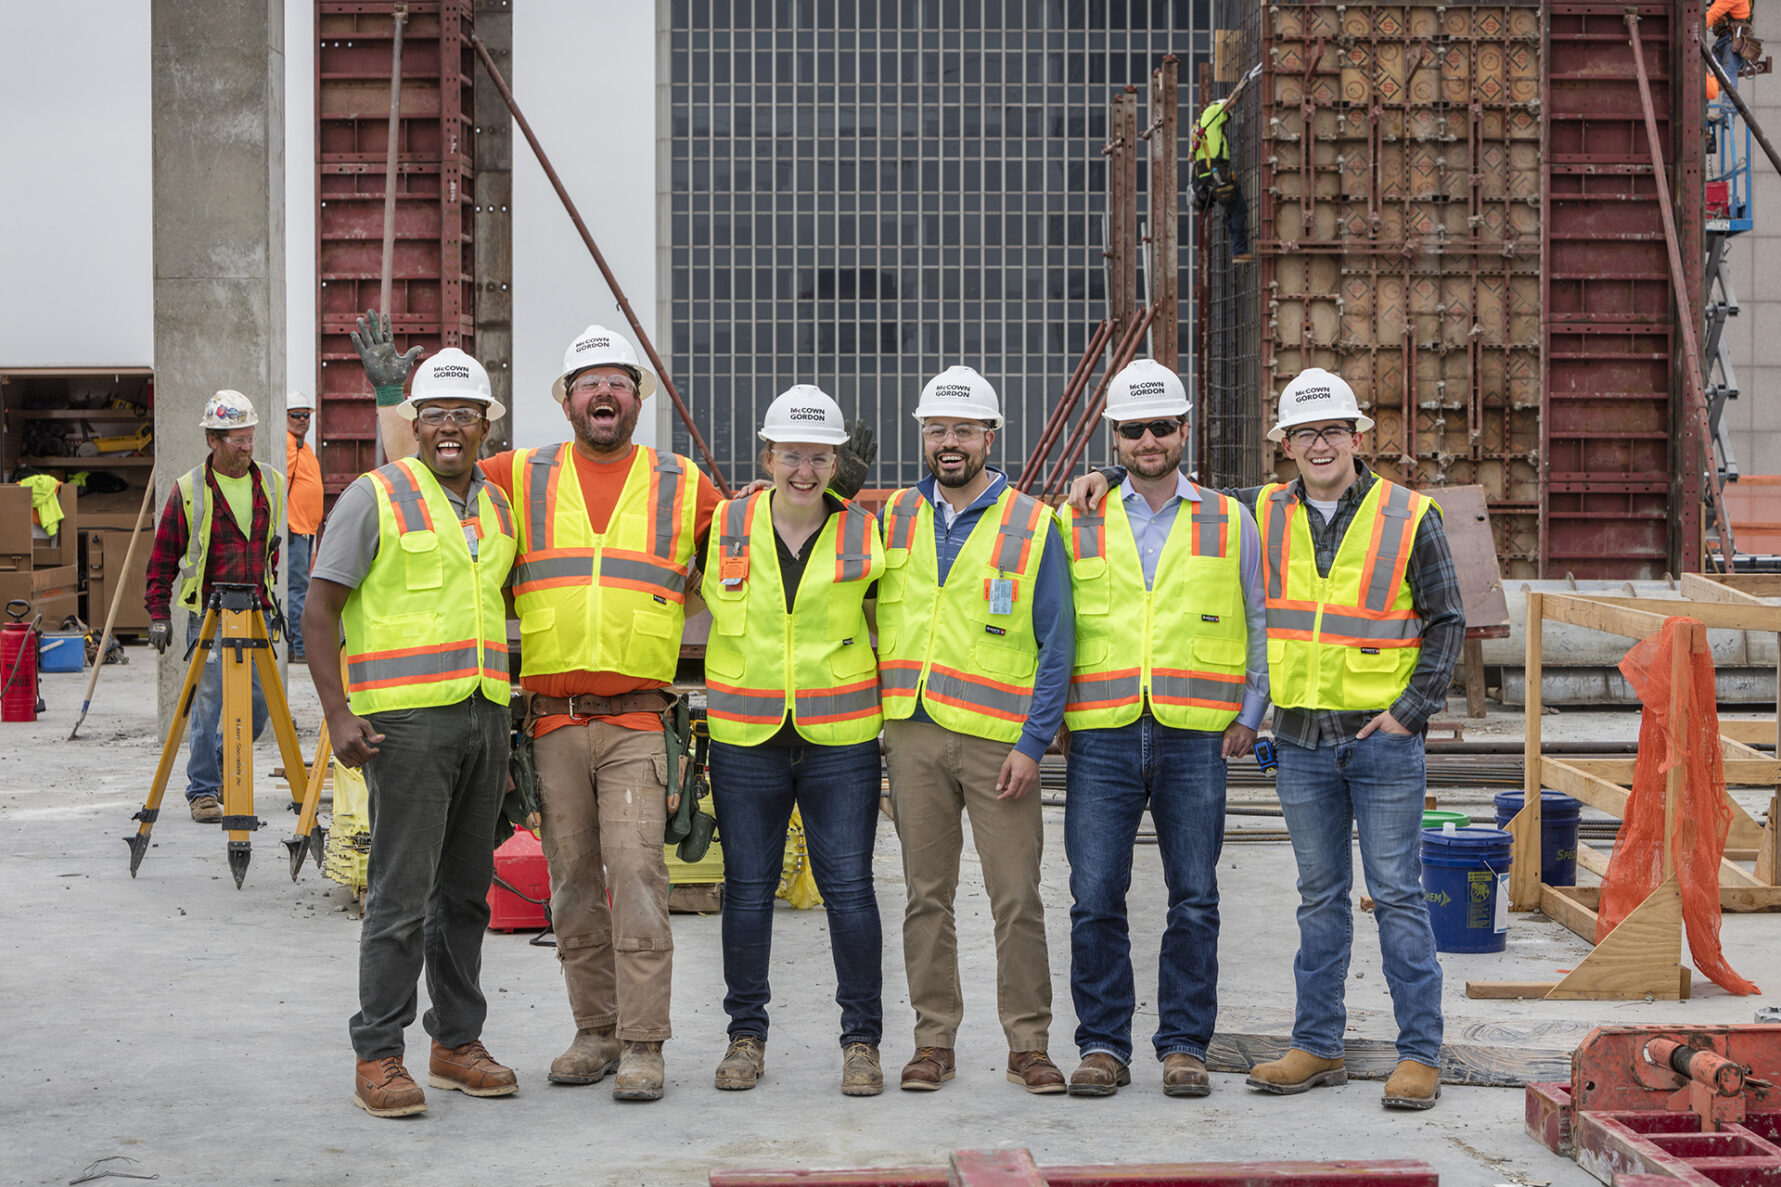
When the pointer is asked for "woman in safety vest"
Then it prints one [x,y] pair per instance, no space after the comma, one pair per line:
[794,718]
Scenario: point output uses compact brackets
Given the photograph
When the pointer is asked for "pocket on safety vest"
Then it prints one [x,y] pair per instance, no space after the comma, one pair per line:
[729,610]
[853,661]
[895,575]
[724,660]
[1091,653]
[1091,586]
[534,624]
[1228,655]
[1372,659]
[1008,662]
[651,632]
[423,561]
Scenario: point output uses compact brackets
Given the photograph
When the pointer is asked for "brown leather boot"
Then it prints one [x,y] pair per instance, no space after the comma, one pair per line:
[205,810]
[641,1072]
[383,1088]
[1099,1074]
[1183,1075]
[471,1070]
[592,1055]
[861,1074]
[1034,1071]
[929,1068]
[742,1064]
[1413,1086]
[1296,1071]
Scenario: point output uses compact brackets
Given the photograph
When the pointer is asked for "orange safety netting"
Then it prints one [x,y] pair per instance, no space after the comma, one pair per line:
[1703,816]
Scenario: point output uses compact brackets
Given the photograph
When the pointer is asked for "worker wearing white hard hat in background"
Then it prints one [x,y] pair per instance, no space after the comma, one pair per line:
[1171,679]
[1364,626]
[220,526]
[794,716]
[412,566]
[303,474]
[975,643]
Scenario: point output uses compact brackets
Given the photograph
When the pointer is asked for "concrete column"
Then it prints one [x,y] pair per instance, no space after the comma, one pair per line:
[219,249]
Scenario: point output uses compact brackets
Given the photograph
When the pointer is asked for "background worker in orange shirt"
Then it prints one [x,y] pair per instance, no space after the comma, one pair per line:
[303,514]
[1728,22]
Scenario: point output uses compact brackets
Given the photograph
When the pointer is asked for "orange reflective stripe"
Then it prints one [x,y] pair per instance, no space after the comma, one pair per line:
[1089,533]
[1204,690]
[754,706]
[667,497]
[644,573]
[1390,551]
[1104,690]
[843,702]
[406,498]
[1014,541]
[503,509]
[412,665]
[1210,527]
[980,694]
[899,677]
[549,568]
[905,510]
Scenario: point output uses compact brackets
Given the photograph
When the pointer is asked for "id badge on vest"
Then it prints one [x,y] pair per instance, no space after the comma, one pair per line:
[1000,592]
[472,536]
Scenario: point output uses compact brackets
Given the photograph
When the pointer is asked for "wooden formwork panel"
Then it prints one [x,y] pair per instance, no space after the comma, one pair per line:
[1401,232]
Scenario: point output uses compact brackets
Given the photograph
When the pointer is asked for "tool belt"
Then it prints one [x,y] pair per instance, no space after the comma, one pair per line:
[1747,45]
[585,705]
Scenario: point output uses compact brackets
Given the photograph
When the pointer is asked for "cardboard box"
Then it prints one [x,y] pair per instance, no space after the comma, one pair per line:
[62,548]
[16,544]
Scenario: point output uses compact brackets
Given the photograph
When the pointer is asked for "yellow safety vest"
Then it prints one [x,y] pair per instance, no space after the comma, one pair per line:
[613,602]
[821,652]
[1348,641]
[194,494]
[428,625]
[1186,652]
[971,668]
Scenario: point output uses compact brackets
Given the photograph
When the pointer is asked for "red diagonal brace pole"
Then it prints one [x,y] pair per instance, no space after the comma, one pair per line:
[1060,415]
[624,303]
[1685,317]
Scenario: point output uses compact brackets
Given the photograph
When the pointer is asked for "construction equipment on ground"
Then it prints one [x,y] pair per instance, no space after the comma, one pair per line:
[1015,1168]
[235,627]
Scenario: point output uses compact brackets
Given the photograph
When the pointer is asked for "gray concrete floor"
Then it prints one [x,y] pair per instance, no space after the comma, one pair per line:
[201,1030]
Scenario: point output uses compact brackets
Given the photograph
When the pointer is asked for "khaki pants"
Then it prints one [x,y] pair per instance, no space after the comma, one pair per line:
[935,775]
[603,790]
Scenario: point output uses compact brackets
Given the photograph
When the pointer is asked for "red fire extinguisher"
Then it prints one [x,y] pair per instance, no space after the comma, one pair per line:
[19,641]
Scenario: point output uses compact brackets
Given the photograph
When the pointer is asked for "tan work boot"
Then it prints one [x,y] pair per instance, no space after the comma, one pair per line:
[640,1072]
[861,1074]
[593,1054]
[1034,1071]
[742,1063]
[1296,1071]
[383,1088]
[470,1069]
[205,810]
[1183,1075]
[1099,1074]
[1413,1086]
[927,1069]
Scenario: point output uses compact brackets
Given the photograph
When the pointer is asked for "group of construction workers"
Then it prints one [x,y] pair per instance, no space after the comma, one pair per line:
[1145,627]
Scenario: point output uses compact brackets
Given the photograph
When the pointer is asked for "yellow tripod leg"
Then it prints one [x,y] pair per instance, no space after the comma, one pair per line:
[237,638]
[182,713]
[311,837]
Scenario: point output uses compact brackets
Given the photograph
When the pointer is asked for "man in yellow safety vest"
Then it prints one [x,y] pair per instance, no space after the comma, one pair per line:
[412,564]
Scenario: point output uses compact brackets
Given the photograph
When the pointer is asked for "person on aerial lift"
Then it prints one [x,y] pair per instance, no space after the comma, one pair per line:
[1734,43]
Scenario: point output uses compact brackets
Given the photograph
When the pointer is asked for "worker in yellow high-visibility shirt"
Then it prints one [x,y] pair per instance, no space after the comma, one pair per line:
[794,717]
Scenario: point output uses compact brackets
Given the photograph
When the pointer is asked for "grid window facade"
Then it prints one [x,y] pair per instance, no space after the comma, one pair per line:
[861,193]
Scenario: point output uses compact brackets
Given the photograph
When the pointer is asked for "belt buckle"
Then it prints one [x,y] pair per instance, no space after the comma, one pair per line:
[573,715]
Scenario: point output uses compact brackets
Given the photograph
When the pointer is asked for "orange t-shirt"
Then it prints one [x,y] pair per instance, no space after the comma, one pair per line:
[601,485]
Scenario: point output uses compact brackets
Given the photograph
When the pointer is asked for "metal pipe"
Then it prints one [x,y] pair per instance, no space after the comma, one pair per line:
[624,303]
[1127,349]
[390,178]
[1060,415]
[1730,91]
[1685,317]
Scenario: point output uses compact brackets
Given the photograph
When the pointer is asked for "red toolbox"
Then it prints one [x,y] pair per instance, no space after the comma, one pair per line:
[520,864]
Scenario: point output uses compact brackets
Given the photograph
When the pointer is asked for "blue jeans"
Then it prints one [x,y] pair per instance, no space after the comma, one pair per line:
[299,551]
[836,788]
[1377,784]
[204,766]
[1727,57]
[1112,775]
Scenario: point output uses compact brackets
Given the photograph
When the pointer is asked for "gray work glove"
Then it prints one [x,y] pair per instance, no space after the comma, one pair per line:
[160,633]
[377,351]
[853,458]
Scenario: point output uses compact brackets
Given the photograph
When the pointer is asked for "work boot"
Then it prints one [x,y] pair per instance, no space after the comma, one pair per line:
[383,1088]
[471,1070]
[1296,1071]
[205,810]
[927,1069]
[860,1073]
[1413,1086]
[1099,1074]
[593,1053]
[1034,1071]
[640,1072]
[742,1063]
[1184,1075]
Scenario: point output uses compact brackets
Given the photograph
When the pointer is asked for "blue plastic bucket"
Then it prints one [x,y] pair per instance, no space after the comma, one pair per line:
[1465,881]
[64,653]
[1558,832]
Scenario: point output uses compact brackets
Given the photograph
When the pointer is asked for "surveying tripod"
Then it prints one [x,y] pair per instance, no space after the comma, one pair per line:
[243,641]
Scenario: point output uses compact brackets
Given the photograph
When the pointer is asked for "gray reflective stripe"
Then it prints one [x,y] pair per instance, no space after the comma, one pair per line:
[946,684]
[407,499]
[836,704]
[668,478]
[526,572]
[899,678]
[905,513]
[412,668]
[503,509]
[1282,500]
[538,469]
[1337,622]
[734,541]
[188,564]
[645,572]
[855,561]
[1197,688]
[1015,532]
[742,704]
[1211,525]
[1105,687]
[1381,590]
[1087,530]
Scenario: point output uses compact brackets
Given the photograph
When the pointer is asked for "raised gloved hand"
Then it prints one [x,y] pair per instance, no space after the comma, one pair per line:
[853,458]
[377,351]
[160,633]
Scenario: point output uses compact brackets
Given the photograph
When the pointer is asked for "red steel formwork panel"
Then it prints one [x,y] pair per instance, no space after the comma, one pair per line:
[433,286]
[1621,484]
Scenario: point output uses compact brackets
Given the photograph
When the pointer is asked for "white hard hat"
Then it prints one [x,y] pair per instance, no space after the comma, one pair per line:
[296,400]
[598,346]
[1313,395]
[803,412]
[961,392]
[1145,389]
[451,375]
[229,410]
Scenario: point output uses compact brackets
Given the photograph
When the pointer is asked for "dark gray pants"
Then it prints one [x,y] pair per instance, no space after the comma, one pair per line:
[436,785]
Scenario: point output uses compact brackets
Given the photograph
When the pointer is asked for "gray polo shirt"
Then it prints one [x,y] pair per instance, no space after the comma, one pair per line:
[351,535]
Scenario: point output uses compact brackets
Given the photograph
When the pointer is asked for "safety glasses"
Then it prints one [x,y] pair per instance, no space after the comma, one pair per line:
[1156,428]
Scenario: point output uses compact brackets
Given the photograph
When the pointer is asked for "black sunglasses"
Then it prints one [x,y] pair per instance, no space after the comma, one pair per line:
[304,413]
[1157,428]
